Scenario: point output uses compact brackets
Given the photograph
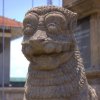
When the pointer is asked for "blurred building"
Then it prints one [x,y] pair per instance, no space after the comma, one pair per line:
[88,36]
[12,29]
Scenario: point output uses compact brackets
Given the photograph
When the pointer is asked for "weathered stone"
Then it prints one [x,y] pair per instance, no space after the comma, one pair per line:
[56,70]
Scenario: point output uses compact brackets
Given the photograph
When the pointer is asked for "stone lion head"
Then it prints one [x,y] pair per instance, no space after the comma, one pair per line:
[48,38]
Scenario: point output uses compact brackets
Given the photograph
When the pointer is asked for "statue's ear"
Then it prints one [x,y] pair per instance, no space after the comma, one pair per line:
[73,23]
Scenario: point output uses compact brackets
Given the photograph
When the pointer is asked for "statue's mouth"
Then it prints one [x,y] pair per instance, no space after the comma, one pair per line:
[45,51]
[48,54]
[49,61]
[51,48]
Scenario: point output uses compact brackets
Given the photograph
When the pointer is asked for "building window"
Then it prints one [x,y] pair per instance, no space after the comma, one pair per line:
[6,30]
[83,39]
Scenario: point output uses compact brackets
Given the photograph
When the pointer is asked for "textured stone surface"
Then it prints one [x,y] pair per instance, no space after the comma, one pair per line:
[56,70]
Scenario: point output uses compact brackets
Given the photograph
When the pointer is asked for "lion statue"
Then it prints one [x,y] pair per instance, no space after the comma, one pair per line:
[56,70]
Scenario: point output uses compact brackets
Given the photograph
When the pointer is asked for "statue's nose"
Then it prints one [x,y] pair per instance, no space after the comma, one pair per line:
[39,36]
[36,41]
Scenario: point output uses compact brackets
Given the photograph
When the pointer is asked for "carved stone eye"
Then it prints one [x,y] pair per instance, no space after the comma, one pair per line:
[52,27]
[30,23]
[55,22]
[28,29]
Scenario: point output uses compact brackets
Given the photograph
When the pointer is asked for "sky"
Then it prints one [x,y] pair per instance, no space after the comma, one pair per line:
[16,9]
[18,63]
